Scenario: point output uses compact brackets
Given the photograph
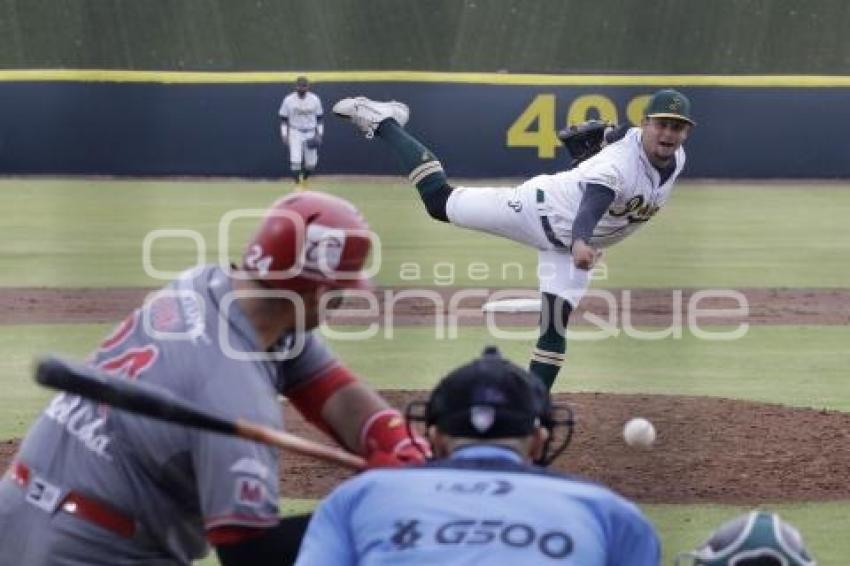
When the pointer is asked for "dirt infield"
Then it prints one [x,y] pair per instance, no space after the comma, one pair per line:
[651,307]
[709,449]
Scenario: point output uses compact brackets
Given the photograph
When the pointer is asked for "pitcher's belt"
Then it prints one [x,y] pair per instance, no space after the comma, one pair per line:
[547,226]
[77,504]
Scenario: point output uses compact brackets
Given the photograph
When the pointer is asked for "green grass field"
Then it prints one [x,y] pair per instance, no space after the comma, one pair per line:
[90,233]
[67,233]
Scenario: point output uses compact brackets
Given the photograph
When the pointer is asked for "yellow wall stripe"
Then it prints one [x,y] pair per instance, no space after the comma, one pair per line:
[122,76]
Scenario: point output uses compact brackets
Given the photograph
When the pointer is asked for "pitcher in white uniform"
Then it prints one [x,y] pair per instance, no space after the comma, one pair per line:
[568,217]
[301,129]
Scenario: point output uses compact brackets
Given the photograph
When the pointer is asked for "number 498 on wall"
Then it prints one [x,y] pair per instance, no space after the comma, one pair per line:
[535,126]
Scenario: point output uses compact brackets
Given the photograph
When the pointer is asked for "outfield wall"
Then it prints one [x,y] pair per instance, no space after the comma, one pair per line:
[480,126]
[539,36]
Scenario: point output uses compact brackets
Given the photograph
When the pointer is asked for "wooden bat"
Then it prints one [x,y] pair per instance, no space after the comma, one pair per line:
[158,403]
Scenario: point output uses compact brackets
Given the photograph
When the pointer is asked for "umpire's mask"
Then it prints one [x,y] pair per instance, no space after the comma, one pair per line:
[492,397]
[758,538]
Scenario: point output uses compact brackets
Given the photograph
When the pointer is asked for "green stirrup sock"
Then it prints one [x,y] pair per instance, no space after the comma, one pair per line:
[550,351]
[423,168]
[546,360]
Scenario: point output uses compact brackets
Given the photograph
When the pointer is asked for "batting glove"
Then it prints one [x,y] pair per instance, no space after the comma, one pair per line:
[387,443]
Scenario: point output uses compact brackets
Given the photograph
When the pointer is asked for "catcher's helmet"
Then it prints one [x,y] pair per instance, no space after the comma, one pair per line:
[491,397]
[309,239]
[758,538]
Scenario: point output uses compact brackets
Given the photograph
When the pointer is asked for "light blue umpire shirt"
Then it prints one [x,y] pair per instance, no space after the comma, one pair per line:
[482,505]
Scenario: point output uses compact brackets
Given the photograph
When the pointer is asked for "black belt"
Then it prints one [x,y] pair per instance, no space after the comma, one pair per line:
[547,226]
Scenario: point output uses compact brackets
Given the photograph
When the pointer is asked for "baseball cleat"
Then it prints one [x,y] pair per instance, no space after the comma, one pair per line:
[367,114]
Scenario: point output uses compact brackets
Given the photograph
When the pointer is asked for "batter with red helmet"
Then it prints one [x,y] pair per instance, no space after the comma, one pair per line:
[93,485]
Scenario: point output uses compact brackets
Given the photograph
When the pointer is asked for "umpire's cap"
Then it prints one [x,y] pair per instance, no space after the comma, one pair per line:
[669,103]
[489,397]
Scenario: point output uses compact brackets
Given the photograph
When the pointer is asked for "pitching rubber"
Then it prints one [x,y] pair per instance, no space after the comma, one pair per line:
[513,305]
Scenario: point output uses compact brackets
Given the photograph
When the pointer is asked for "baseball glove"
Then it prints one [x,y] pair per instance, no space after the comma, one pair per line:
[584,140]
[314,142]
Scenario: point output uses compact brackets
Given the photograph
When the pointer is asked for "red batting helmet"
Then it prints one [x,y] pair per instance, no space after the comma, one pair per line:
[308,239]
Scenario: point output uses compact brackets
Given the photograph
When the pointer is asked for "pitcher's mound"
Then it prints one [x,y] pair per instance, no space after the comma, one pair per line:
[708,450]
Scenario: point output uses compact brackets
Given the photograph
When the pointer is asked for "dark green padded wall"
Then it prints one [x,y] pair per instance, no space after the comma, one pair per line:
[545,36]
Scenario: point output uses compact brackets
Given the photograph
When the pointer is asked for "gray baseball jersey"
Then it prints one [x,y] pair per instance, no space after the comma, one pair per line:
[175,482]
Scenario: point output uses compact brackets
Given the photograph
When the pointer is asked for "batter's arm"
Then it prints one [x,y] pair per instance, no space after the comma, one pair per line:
[358,418]
[332,397]
[347,411]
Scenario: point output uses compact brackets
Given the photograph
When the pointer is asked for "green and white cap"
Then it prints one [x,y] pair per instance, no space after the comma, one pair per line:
[669,103]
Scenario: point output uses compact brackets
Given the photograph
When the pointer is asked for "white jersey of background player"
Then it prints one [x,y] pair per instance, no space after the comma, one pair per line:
[301,129]
[568,217]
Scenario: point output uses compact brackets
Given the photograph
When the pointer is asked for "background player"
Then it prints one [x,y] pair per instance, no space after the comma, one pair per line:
[481,501]
[301,129]
[568,217]
[98,486]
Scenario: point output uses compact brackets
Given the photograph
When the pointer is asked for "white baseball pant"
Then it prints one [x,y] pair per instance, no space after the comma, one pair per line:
[298,151]
[515,214]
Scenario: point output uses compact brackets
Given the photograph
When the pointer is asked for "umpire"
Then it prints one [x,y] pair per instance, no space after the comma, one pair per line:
[481,501]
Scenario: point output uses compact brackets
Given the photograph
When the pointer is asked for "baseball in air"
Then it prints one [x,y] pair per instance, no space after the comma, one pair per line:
[639,433]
